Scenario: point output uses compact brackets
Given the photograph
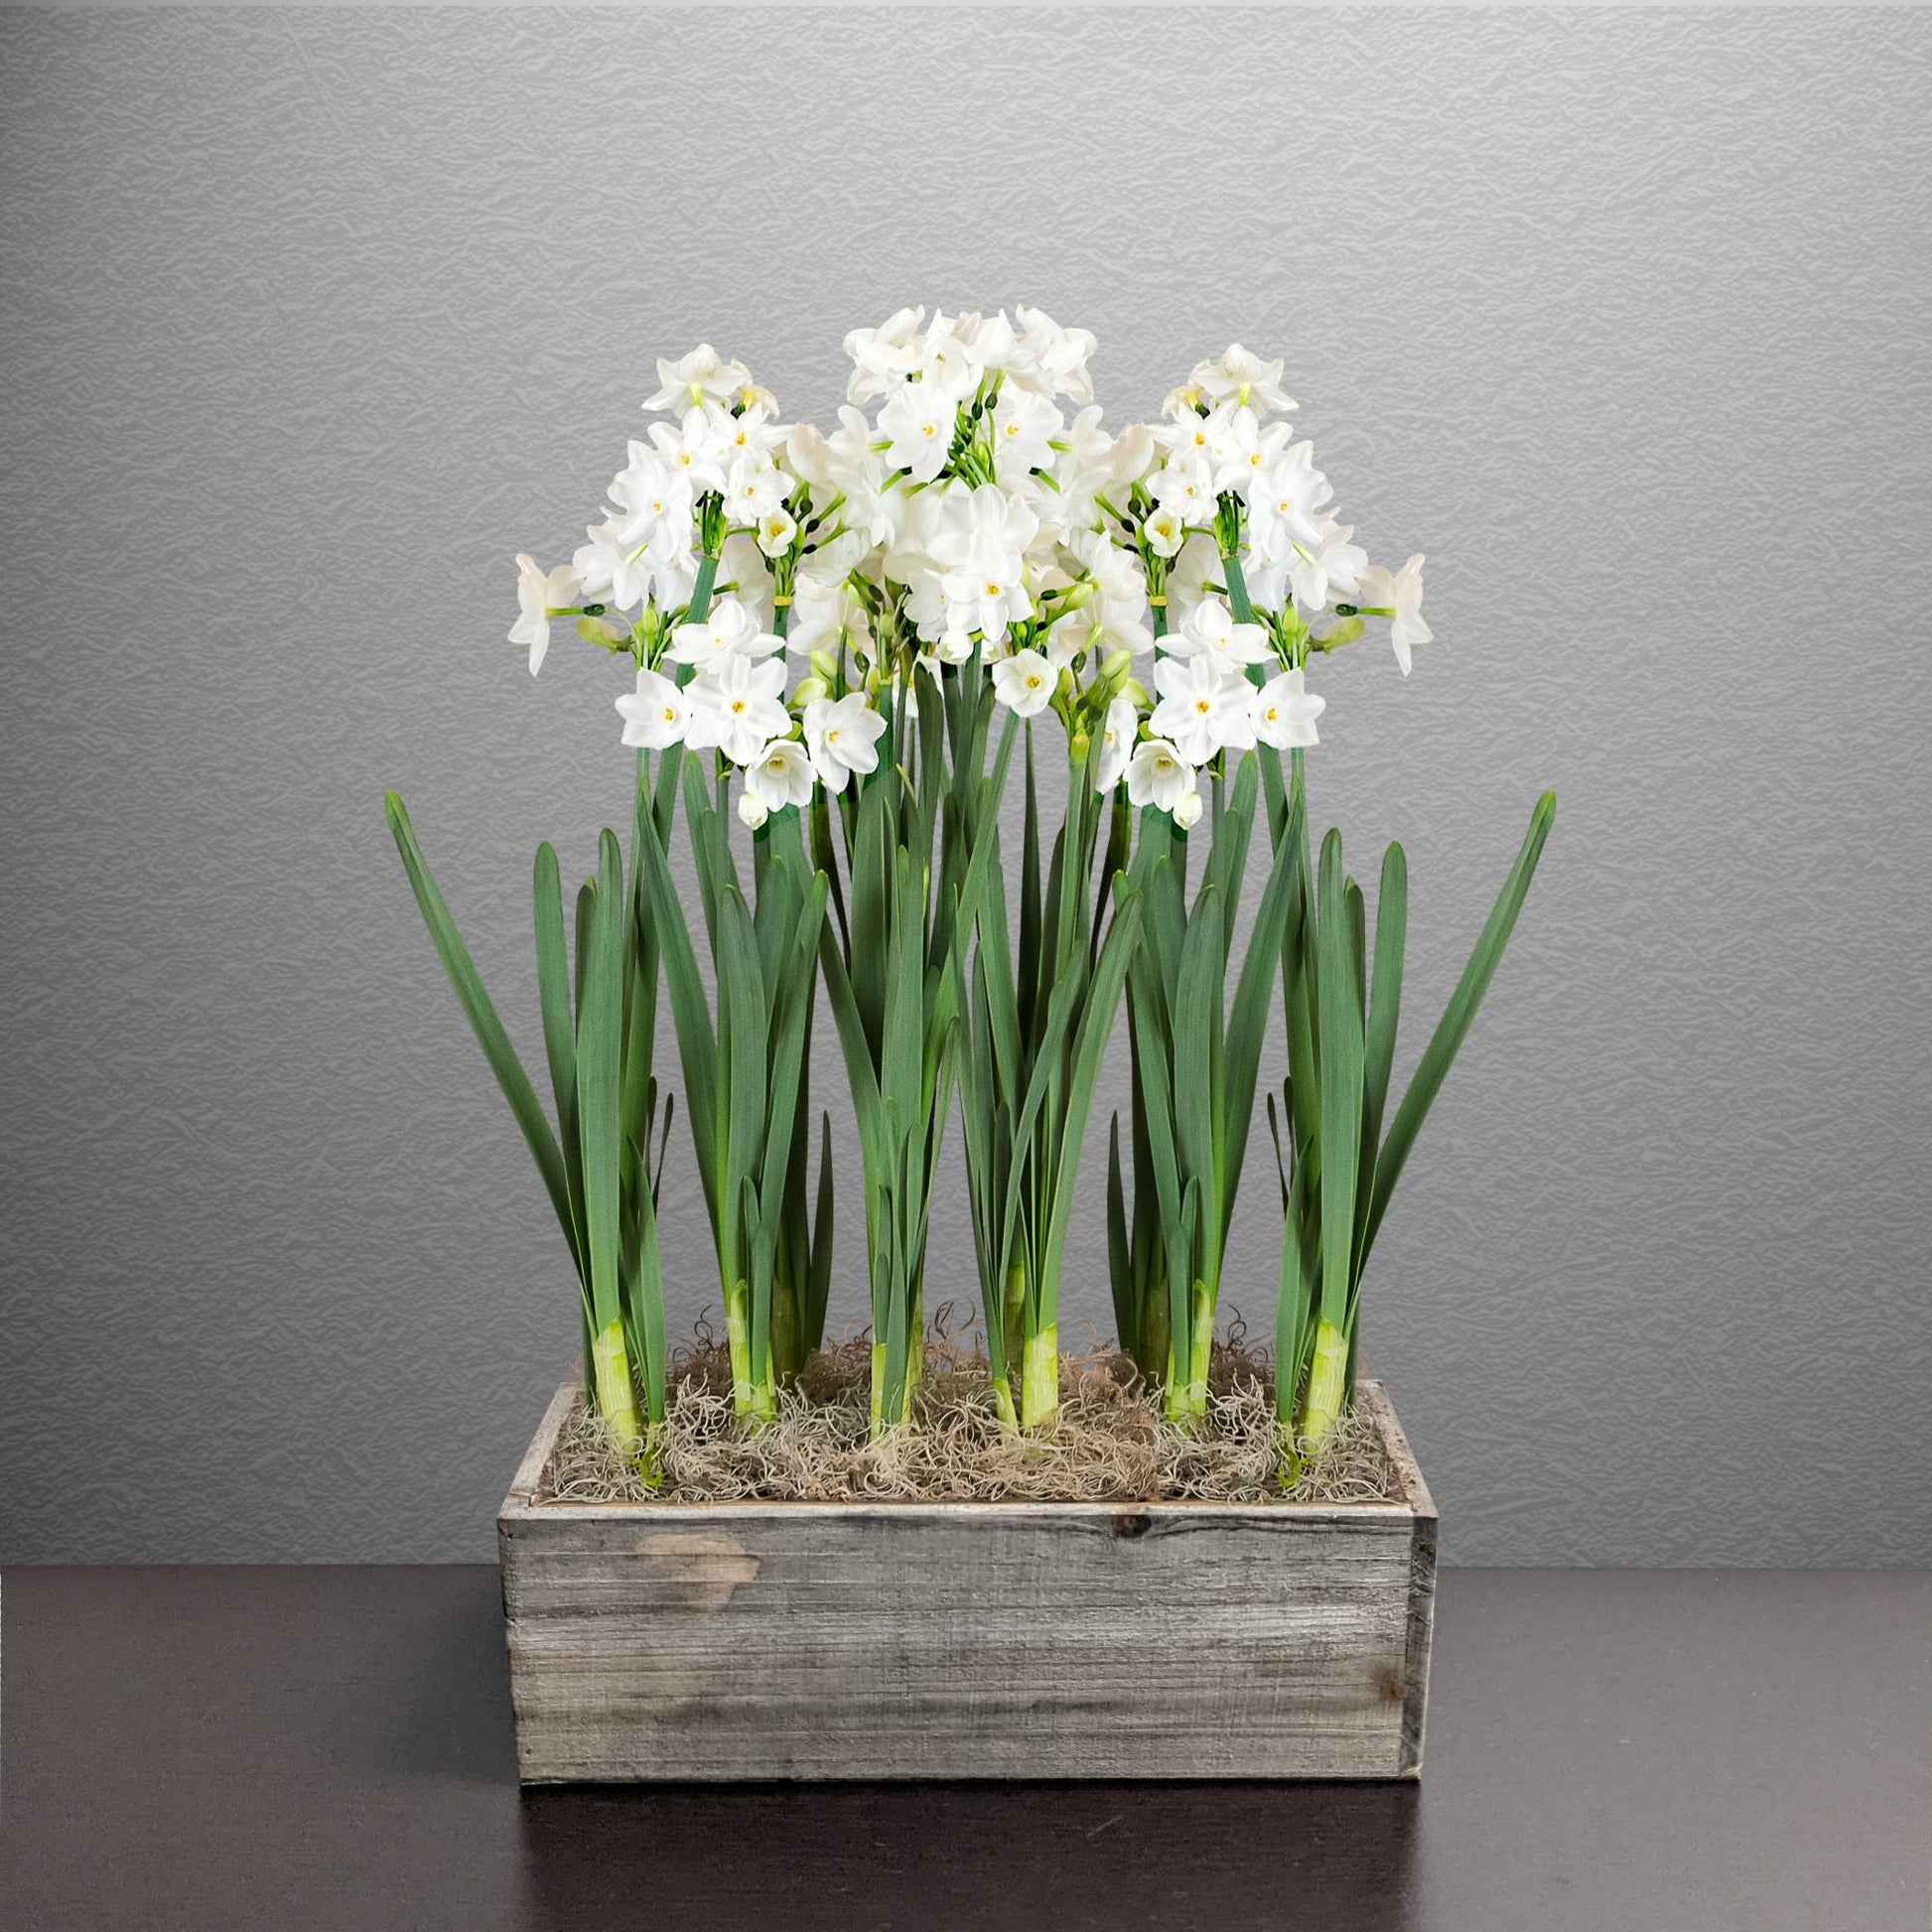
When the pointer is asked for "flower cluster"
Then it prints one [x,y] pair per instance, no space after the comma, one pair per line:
[968,509]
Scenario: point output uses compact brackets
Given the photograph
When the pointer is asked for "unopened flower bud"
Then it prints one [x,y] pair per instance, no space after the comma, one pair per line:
[1079,595]
[1186,810]
[1134,692]
[1067,685]
[825,664]
[1115,665]
[754,811]
[808,688]
[1076,749]
[606,637]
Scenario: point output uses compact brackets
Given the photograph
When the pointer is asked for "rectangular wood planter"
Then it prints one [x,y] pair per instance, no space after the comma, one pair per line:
[965,1640]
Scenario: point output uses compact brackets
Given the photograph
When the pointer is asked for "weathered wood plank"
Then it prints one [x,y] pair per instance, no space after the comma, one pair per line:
[755,1641]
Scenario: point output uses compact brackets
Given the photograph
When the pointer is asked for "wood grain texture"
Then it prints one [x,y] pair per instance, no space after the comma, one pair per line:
[888,1640]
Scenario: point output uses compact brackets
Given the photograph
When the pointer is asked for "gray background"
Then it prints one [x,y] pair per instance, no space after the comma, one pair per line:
[310,320]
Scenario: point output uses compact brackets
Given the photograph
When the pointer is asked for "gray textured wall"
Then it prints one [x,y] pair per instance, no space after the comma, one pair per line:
[310,320]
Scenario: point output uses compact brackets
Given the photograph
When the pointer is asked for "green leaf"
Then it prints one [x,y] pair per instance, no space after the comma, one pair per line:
[1339,1023]
[559,1027]
[485,1024]
[1457,1017]
[599,1047]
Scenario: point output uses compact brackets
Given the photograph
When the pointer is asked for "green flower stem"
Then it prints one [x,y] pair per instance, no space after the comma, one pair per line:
[617,1396]
[1328,1384]
[1039,1380]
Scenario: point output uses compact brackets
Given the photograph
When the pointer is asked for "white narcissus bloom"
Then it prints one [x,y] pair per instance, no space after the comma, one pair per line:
[842,736]
[1056,357]
[695,447]
[1117,734]
[697,378]
[751,809]
[946,362]
[1186,811]
[1209,630]
[1285,713]
[1288,496]
[776,532]
[653,501]
[1165,530]
[537,595]
[1400,593]
[827,617]
[917,424]
[780,776]
[728,631]
[978,541]
[1025,683]
[737,707]
[1242,375]
[1243,450]
[654,715]
[612,572]
[753,434]
[1023,427]
[883,358]
[1158,775]
[754,489]
[1329,568]
[1185,484]
[1203,706]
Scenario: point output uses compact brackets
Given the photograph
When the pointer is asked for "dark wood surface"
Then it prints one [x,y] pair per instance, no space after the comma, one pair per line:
[1633,1750]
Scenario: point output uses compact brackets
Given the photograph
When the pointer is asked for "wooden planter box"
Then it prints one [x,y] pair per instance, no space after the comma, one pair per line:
[965,1640]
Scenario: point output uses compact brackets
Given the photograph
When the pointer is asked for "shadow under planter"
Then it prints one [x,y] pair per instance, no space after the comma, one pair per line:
[672,1641]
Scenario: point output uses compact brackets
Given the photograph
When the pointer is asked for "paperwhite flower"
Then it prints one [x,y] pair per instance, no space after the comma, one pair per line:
[1285,713]
[1244,376]
[1023,425]
[751,809]
[842,736]
[1186,810]
[1025,683]
[1117,734]
[728,631]
[1329,568]
[754,487]
[1242,449]
[1209,630]
[654,715]
[612,572]
[827,617]
[1185,484]
[738,707]
[780,776]
[1165,530]
[1203,706]
[696,446]
[699,377]
[883,358]
[1158,775]
[1288,496]
[537,595]
[652,498]
[917,424]
[1057,356]
[776,532]
[946,364]
[753,434]
[1402,594]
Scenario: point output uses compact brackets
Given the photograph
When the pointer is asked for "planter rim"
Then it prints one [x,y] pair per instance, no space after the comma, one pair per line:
[1414,1502]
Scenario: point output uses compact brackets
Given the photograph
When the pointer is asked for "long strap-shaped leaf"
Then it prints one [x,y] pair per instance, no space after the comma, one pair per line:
[600,1030]
[1339,1023]
[1458,1018]
[559,1024]
[485,1022]
[1096,1026]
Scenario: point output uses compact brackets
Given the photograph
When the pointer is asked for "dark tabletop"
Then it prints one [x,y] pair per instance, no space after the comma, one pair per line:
[1632,1750]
